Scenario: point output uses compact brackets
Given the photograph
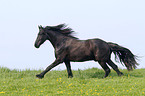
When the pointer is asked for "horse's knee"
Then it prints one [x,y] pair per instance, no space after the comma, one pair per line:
[115,66]
[108,70]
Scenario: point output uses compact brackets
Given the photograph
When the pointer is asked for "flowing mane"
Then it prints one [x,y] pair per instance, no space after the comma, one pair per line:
[63,29]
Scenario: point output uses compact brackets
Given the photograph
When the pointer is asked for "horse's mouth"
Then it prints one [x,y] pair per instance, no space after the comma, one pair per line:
[37,45]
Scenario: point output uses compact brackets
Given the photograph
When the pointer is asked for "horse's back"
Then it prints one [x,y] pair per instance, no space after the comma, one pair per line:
[79,50]
[91,49]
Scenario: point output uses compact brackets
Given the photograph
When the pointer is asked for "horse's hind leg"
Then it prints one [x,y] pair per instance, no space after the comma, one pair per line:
[105,67]
[114,67]
[68,66]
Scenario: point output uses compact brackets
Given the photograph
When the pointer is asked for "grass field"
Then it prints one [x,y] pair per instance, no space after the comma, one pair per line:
[85,83]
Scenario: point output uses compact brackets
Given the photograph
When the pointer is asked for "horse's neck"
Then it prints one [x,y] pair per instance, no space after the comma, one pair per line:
[56,39]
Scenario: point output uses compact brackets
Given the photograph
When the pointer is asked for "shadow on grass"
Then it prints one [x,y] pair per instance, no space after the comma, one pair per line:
[99,73]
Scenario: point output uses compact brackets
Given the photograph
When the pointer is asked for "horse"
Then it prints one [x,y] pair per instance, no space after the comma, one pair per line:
[69,48]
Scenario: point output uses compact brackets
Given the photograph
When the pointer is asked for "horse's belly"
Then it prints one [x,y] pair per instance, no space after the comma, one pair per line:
[80,52]
[81,57]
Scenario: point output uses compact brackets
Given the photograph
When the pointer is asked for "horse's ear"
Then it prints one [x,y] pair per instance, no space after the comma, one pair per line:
[40,27]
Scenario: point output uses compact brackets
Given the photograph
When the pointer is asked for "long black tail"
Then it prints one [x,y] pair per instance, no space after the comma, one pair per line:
[124,55]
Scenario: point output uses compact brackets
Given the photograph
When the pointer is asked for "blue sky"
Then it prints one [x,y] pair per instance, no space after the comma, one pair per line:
[118,21]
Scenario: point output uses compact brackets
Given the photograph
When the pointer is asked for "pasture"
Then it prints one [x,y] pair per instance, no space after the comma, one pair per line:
[84,83]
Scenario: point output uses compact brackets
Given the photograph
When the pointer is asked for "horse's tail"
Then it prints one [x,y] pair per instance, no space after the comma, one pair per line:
[124,55]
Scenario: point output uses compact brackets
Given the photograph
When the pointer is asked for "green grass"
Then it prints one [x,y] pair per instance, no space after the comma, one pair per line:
[85,82]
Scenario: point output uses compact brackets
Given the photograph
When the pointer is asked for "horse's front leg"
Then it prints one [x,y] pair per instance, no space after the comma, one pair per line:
[55,63]
[68,66]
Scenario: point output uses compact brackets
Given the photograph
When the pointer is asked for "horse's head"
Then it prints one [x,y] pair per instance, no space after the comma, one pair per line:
[51,33]
[41,38]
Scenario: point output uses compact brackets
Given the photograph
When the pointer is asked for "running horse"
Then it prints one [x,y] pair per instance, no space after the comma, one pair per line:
[70,49]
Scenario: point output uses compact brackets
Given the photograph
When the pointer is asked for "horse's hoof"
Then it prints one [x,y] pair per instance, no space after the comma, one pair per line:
[120,74]
[70,76]
[104,77]
[39,76]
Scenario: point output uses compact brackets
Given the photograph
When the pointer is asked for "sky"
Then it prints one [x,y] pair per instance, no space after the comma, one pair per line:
[118,21]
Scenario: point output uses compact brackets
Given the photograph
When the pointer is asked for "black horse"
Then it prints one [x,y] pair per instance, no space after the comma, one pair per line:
[69,48]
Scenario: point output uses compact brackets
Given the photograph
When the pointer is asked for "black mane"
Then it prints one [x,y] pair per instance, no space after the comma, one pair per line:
[63,29]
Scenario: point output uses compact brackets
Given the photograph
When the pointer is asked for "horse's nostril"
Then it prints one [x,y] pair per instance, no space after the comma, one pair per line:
[36,45]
